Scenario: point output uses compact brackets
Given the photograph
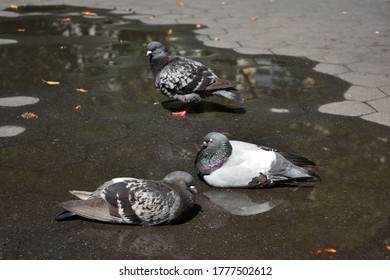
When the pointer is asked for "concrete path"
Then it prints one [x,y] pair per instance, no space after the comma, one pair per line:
[349,39]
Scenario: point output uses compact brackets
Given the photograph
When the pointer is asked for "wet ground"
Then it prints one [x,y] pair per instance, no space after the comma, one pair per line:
[122,127]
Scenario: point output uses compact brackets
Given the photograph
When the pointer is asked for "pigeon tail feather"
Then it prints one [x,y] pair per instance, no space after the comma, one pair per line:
[64,215]
[229,95]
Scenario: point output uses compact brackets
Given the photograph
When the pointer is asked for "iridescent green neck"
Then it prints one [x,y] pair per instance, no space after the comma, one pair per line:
[210,158]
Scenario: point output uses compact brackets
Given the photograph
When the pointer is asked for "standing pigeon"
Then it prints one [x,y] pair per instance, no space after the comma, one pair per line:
[235,164]
[135,201]
[184,79]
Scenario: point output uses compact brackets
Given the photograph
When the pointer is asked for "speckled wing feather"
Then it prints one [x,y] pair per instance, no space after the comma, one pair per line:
[184,76]
[148,203]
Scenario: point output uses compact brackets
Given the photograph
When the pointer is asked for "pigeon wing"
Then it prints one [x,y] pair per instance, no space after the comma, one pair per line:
[183,76]
[147,203]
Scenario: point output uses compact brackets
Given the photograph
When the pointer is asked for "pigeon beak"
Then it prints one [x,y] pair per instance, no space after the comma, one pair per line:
[193,189]
[148,53]
[204,145]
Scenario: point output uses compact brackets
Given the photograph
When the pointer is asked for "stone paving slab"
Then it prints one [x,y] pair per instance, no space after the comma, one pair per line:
[350,39]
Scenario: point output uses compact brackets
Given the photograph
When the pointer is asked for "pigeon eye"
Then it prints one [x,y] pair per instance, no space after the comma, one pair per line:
[211,140]
[182,182]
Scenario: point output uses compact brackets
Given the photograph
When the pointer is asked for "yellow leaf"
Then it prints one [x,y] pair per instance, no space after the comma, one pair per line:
[170,32]
[29,115]
[88,13]
[51,82]
[81,90]
[78,107]
[330,250]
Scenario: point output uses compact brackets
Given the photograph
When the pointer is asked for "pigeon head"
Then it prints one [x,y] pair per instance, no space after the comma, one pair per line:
[214,140]
[180,179]
[156,50]
[215,150]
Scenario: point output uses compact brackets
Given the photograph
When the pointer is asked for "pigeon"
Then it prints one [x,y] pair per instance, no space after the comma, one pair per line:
[135,201]
[184,79]
[236,164]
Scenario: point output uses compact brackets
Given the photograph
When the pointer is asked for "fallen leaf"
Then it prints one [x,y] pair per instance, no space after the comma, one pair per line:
[152,17]
[66,19]
[179,3]
[330,250]
[78,107]
[309,82]
[51,82]
[29,115]
[81,90]
[13,6]
[325,148]
[170,32]
[21,30]
[88,13]
[198,25]
[387,247]
[254,18]
[316,252]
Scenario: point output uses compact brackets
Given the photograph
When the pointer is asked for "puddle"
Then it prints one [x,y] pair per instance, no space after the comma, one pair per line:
[119,126]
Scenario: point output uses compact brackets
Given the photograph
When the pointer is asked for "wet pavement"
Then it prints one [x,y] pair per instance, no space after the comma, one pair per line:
[122,127]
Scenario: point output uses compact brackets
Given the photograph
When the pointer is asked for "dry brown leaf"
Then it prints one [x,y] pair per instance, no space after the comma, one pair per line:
[316,252]
[170,32]
[198,25]
[29,115]
[254,18]
[387,247]
[152,17]
[78,107]
[13,6]
[88,13]
[66,19]
[330,250]
[179,3]
[21,30]
[52,83]
[81,90]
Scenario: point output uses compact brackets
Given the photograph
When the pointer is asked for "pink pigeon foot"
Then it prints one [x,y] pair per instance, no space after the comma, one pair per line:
[180,113]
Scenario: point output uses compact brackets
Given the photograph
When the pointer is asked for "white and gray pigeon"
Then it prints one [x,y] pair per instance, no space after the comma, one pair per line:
[236,164]
[184,79]
[135,201]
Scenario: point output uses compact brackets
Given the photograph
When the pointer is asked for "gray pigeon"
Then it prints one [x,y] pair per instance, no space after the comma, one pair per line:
[184,79]
[135,201]
[235,164]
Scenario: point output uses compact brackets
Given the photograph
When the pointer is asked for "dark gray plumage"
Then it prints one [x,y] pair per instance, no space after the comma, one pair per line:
[235,164]
[135,201]
[184,79]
